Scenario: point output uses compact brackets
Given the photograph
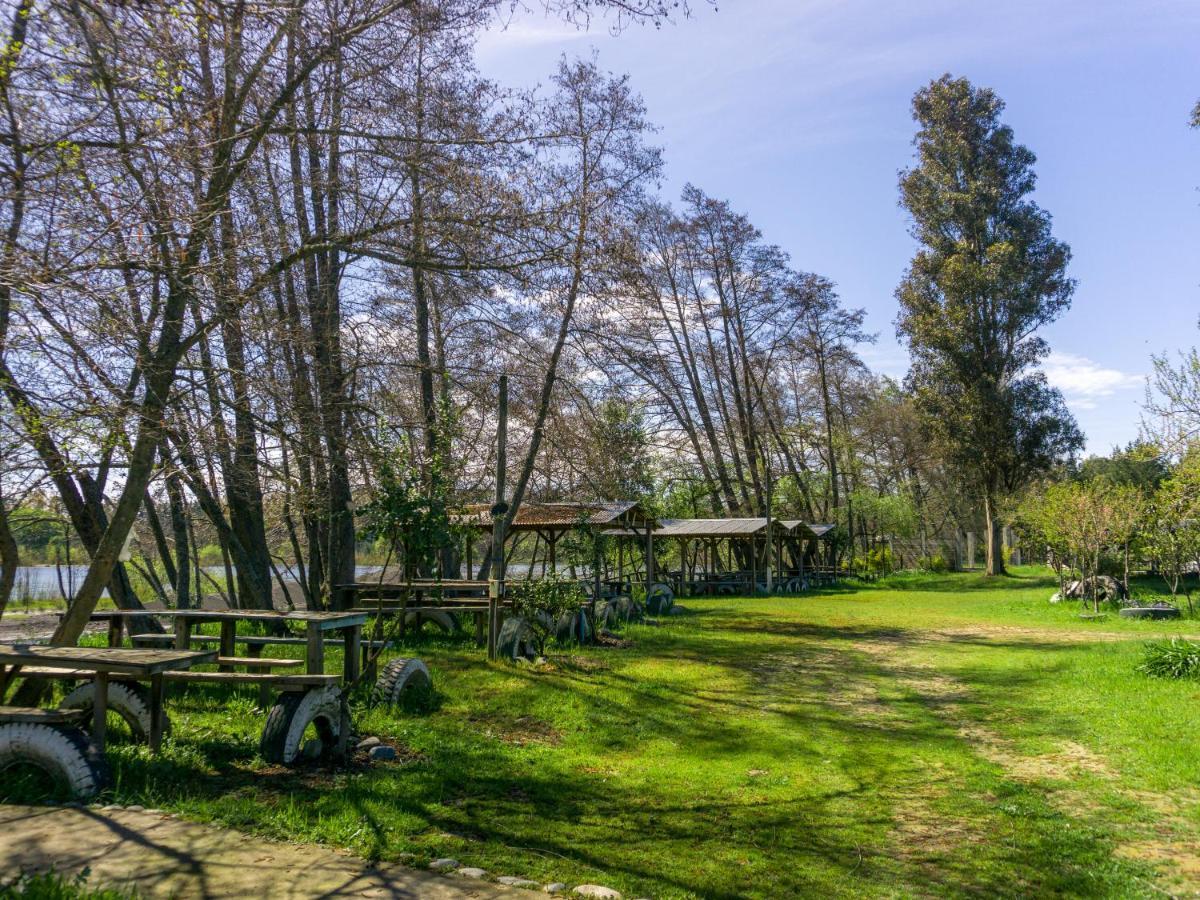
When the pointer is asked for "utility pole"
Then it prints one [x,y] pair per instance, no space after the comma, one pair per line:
[770,542]
[499,511]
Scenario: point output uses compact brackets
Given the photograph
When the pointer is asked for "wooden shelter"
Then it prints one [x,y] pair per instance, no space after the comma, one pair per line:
[550,522]
[737,555]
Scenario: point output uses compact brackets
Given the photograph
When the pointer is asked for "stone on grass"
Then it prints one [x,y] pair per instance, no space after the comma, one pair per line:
[597,891]
[540,661]
[555,887]
[471,872]
[135,808]
[383,753]
[368,742]
[112,807]
[514,881]
[444,865]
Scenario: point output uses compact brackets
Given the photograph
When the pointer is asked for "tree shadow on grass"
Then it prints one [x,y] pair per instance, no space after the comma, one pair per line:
[803,698]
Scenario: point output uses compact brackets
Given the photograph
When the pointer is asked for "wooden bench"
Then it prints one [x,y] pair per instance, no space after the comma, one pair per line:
[248,640]
[41,716]
[258,662]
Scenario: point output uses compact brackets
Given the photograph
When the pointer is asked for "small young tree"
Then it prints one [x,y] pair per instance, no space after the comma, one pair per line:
[543,602]
[1172,532]
[1040,517]
[1089,519]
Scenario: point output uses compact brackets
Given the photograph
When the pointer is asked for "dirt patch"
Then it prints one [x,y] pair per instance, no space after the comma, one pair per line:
[519,731]
[1169,843]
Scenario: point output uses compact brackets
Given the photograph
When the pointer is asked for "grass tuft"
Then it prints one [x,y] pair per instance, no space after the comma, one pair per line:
[1173,658]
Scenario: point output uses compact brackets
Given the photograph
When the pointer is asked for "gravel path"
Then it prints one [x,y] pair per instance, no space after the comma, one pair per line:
[162,856]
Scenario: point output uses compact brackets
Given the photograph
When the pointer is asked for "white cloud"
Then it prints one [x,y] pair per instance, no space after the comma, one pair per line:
[1084,382]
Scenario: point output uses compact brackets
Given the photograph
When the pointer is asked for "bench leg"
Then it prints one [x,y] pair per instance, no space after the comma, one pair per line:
[315,657]
[100,710]
[115,631]
[228,637]
[156,712]
[351,653]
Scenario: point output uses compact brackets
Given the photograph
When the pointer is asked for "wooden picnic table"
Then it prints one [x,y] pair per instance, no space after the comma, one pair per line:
[99,663]
[316,624]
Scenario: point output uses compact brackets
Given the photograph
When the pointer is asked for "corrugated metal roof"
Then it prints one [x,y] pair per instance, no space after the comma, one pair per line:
[561,515]
[725,528]
[710,527]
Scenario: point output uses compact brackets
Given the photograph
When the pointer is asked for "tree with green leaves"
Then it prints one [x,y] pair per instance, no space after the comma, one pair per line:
[1173,523]
[987,275]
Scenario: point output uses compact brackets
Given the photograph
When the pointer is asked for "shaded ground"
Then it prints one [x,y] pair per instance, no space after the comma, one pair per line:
[945,736]
[160,856]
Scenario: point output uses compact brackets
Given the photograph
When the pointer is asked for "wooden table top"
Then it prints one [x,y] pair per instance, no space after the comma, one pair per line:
[104,659]
[323,620]
[423,584]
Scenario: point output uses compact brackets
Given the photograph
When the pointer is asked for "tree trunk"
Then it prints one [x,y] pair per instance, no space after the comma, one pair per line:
[995,553]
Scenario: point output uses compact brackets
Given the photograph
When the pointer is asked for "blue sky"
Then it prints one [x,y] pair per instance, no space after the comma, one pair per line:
[798,112]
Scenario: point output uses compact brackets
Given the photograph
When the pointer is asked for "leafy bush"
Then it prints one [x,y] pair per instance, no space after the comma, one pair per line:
[875,563]
[542,602]
[936,564]
[1175,658]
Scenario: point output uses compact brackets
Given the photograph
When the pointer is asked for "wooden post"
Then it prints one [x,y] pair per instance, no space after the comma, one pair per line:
[649,557]
[315,651]
[115,630]
[228,642]
[496,585]
[769,548]
[352,657]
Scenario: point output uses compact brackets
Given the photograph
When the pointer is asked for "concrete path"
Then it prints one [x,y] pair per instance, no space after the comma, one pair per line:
[162,856]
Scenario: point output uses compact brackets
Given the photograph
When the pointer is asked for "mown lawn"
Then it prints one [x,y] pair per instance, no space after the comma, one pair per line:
[926,736]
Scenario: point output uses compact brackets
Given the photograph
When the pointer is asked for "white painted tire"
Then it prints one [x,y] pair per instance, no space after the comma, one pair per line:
[444,621]
[628,609]
[401,677]
[607,615]
[516,640]
[283,734]
[130,701]
[659,599]
[62,752]
[573,628]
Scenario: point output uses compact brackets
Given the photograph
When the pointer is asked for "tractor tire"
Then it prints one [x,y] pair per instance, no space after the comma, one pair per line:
[400,679]
[62,752]
[516,640]
[659,599]
[129,700]
[283,734]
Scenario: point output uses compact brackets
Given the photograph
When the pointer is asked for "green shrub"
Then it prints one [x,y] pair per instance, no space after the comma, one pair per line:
[53,886]
[936,564]
[1174,658]
[543,601]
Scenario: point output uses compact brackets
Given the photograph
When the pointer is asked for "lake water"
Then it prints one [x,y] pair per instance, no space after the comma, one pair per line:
[42,582]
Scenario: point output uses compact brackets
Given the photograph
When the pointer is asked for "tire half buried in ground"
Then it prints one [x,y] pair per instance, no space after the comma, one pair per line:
[659,599]
[402,679]
[516,640]
[130,701]
[62,752]
[283,734]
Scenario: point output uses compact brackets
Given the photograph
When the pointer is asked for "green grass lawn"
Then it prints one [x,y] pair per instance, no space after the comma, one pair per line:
[934,735]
